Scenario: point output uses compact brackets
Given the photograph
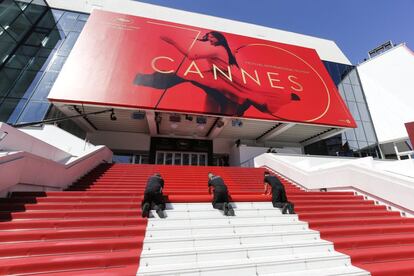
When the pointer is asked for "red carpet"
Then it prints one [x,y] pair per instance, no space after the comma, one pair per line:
[96,228]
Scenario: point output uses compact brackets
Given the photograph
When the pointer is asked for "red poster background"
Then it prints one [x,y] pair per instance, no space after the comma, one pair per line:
[115,59]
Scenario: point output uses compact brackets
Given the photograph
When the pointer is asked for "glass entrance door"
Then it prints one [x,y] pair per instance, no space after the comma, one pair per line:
[181,158]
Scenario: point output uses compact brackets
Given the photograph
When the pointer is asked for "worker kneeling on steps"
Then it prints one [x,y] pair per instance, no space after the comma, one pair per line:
[221,194]
[279,199]
[153,195]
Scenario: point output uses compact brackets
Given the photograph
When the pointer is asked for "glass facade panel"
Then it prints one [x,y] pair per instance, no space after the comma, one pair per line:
[359,132]
[31,62]
[8,77]
[68,44]
[19,27]
[67,22]
[7,45]
[369,132]
[353,108]
[17,111]
[359,97]
[349,93]
[361,141]
[34,111]
[353,77]
[24,86]
[45,85]
[35,10]
[350,134]
[8,12]
[7,107]
[363,110]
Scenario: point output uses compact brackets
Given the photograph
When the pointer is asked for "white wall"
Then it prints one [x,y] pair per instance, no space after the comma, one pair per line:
[326,49]
[388,84]
[121,140]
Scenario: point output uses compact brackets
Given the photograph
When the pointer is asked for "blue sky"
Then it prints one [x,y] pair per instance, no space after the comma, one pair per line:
[357,26]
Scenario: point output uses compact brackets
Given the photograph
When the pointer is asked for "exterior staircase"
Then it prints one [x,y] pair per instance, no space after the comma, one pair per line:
[95,228]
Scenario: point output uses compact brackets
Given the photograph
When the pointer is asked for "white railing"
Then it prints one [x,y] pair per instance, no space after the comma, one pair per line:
[363,174]
[27,163]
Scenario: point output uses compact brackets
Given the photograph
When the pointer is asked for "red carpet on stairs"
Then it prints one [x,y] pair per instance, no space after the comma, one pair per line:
[95,228]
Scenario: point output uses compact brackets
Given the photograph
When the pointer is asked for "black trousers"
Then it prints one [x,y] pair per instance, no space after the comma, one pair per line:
[156,198]
[279,199]
[221,196]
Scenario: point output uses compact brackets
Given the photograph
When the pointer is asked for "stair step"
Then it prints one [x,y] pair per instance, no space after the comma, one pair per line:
[58,263]
[89,246]
[252,266]
[71,223]
[68,234]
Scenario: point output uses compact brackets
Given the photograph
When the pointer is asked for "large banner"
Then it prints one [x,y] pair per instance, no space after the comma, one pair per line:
[129,61]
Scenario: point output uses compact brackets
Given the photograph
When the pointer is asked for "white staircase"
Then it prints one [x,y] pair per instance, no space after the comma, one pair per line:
[196,239]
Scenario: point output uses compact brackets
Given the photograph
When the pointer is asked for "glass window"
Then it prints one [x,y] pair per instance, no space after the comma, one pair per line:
[203,160]
[7,78]
[68,44]
[333,71]
[345,79]
[17,61]
[57,14]
[26,50]
[358,93]
[349,94]
[177,158]
[79,26]
[6,108]
[186,159]
[122,158]
[359,132]
[363,110]
[35,39]
[168,158]
[83,17]
[354,77]
[39,63]
[67,22]
[19,27]
[8,12]
[369,132]
[7,45]
[350,134]
[25,85]
[34,111]
[16,112]
[43,89]
[194,159]
[160,158]
[48,21]
[363,145]
[341,91]
[23,4]
[57,63]
[144,158]
[54,39]
[353,145]
[35,10]
[353,108]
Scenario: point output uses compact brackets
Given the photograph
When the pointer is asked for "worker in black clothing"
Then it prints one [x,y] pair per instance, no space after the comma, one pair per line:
[153,194]
[279,199]
[221,194]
